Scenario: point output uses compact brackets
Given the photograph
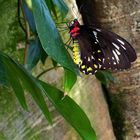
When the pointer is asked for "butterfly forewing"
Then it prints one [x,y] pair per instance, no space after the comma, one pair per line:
[91,55]
[101,49]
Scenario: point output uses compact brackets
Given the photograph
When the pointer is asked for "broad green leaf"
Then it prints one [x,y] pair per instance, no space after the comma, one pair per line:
[49,36]
[30,84]
[70,111]
[62,7]
[105,77]
[69,80]
[29,16]
[34,53]
[15,83]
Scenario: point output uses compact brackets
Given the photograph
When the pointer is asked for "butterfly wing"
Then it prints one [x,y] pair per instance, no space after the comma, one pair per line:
[101,49]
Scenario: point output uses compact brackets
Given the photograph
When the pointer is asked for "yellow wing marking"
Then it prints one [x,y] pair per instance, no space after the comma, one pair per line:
[89,69]
[95,66]
[83,67]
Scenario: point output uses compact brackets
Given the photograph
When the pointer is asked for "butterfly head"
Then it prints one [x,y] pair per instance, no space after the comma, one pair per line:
[73,23]
[74,28]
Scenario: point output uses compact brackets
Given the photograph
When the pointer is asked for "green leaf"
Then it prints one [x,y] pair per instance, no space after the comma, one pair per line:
[49,36]
[53,9]
[29,16]
[70,111]
[69,80]
[49,4]
[105,77]
[15,83]
[29,82]
[43,56]
[62,7]
[34,53]
[54,63]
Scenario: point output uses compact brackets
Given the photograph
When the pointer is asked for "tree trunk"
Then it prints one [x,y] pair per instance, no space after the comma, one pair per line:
[88,91]
[122,17]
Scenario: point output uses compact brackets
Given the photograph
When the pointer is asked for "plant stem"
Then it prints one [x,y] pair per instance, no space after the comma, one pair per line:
[43,72]
[26,30]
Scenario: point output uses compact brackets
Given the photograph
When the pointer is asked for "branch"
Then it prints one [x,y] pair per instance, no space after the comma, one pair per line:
[26,29]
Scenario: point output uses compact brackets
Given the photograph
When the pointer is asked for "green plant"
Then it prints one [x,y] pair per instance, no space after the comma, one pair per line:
[43,40]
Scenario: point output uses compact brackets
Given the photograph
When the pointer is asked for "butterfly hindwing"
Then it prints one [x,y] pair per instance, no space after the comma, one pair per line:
[115,55]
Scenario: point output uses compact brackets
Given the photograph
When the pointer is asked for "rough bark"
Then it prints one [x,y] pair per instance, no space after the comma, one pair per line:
[123,17]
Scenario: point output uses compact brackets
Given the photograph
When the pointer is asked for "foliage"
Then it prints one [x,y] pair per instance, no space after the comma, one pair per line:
[105,77]
[42,40]
[46,29]
[64,104]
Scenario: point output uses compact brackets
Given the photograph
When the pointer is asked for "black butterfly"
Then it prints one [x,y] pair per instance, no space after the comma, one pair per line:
[96,48]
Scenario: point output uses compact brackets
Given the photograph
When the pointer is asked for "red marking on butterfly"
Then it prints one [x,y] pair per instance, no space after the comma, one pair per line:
[74,31]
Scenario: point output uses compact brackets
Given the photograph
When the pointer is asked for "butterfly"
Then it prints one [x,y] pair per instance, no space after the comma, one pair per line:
[98,49]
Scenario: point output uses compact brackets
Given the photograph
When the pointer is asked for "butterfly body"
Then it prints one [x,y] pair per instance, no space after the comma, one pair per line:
[99,49]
